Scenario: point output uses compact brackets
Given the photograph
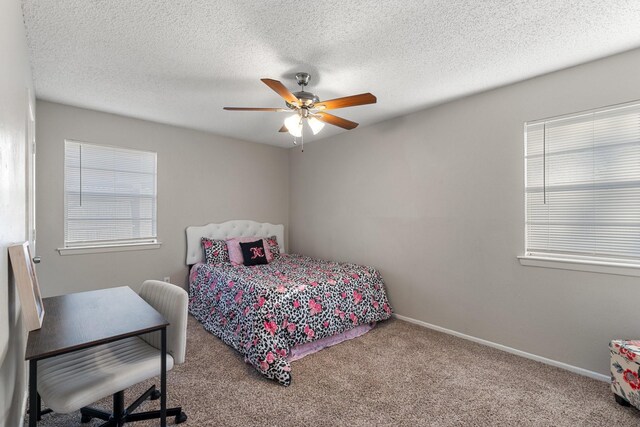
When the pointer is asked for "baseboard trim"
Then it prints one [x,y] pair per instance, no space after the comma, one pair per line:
[555,363]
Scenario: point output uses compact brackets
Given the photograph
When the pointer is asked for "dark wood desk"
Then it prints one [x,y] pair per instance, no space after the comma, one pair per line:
[86,319]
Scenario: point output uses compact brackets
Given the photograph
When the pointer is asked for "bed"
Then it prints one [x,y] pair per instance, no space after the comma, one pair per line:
[272,313]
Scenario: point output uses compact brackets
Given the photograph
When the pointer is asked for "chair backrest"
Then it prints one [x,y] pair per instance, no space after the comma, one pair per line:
[171,301]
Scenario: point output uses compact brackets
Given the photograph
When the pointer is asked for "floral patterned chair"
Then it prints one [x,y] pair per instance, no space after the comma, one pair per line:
[625,367]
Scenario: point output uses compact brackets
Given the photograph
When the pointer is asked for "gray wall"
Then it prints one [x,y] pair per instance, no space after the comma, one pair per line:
[435,201]
[15,80]
[202,178]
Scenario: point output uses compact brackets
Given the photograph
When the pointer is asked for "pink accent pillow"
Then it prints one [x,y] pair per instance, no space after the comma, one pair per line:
[267,250]
[235,252]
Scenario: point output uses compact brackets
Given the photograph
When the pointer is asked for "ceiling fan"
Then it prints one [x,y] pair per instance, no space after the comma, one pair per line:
[307,107]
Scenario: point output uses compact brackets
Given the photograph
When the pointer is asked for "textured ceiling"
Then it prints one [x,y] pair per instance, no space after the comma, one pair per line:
[181,61]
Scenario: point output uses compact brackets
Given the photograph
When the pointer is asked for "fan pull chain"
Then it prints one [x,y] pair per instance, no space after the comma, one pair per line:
[302,132]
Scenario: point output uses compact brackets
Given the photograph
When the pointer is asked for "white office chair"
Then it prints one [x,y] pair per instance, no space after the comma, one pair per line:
[72,381]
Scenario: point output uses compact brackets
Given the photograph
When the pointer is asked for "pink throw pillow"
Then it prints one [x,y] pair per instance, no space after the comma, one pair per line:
[235,252]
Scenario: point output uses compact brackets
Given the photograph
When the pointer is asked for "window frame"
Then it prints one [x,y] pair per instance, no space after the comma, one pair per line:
[99,246]
[585,263]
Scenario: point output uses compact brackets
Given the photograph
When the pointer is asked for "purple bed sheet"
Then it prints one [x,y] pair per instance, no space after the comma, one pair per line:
[265,311]
[303,350]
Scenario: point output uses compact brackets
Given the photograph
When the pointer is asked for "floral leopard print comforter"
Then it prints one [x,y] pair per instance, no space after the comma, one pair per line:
[263,311]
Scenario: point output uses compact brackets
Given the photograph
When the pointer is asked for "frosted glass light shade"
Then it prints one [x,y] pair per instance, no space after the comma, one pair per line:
[315,125]
[293,125]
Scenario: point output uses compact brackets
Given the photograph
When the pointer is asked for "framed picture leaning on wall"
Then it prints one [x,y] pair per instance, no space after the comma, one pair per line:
[24,272]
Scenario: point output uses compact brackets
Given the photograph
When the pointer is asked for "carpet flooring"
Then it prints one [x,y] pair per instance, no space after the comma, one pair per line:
[399,374]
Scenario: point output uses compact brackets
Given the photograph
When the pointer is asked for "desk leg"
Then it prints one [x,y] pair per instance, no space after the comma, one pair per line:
[163,378]
[33,393]
[39,408]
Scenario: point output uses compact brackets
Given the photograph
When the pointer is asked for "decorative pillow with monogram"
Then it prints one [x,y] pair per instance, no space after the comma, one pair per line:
[272,244]
[235,251]
[253,253]
[215,251]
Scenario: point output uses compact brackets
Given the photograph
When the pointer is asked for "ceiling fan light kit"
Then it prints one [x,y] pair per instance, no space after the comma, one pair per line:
[315,125]
[308,107]
[293,125]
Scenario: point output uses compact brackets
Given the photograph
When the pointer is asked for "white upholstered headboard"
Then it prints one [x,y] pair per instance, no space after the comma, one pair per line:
[227,230]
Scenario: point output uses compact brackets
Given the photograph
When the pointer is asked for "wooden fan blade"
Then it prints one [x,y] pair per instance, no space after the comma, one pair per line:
[283,129]
[277,110]
[281,90]
[347,101]
[336,121]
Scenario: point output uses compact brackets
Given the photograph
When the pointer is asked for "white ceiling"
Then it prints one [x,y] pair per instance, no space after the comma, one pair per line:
[181,61]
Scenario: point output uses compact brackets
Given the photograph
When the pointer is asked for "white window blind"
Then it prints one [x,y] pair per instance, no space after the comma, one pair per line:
[110,195]
[583,185]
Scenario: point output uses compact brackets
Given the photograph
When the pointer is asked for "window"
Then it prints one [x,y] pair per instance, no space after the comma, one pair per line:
[582,179]
[109,196]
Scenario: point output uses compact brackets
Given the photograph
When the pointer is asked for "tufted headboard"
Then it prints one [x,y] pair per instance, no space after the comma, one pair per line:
[227,230]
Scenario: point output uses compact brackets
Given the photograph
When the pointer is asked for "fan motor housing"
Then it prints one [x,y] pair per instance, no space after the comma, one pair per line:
[307,99]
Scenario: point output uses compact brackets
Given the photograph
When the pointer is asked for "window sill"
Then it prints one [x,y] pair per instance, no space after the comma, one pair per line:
[604,267]
[108,248]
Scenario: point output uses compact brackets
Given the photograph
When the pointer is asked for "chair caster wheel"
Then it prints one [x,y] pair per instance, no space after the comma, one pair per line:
[181,417]
[155,395]
[85,419]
